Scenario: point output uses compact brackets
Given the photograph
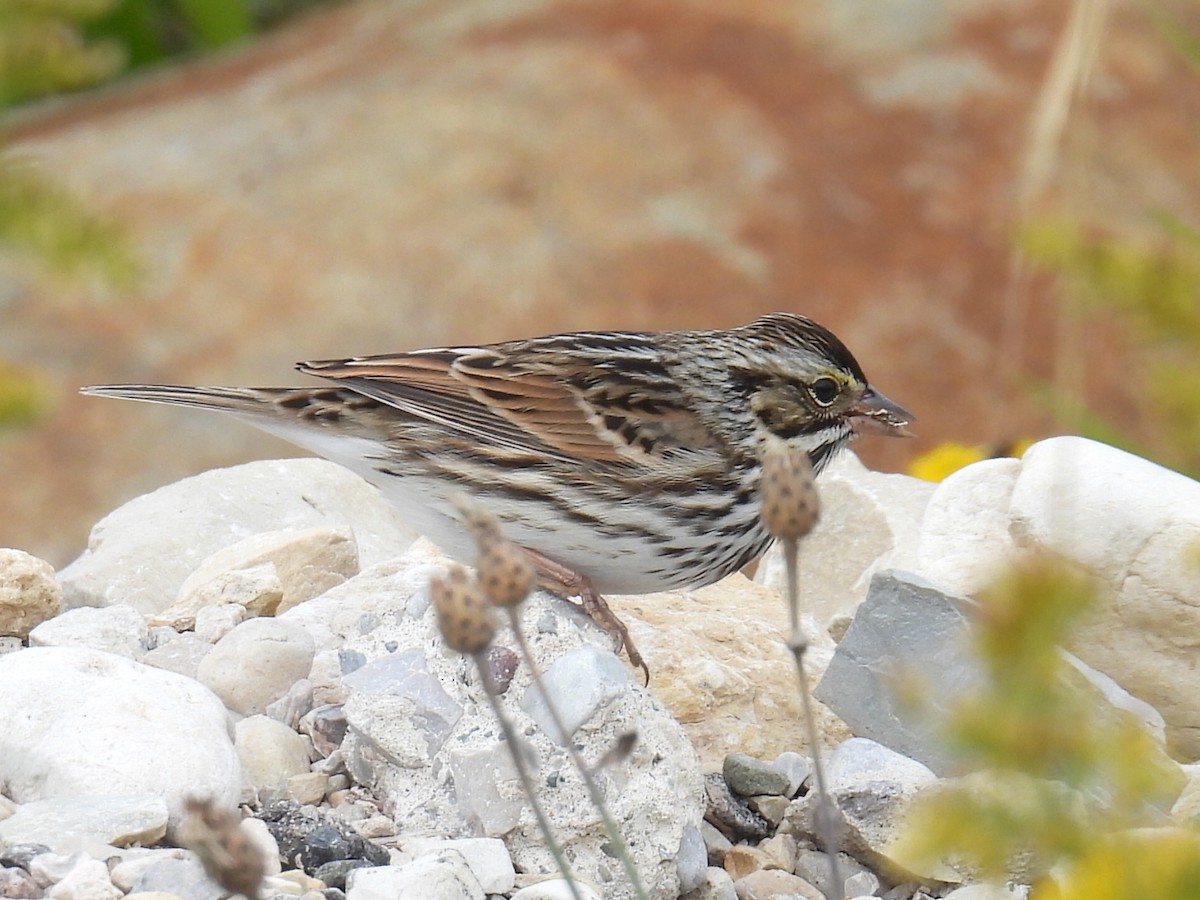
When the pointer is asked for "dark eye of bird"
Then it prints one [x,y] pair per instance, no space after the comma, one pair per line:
[824,391]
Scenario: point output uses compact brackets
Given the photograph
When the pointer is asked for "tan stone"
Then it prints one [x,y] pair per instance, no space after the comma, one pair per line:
[29,594]
[740,860]
[770,883]
[267,573]
[718,661]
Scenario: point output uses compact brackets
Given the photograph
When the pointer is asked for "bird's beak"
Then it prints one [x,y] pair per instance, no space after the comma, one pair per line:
[874,413]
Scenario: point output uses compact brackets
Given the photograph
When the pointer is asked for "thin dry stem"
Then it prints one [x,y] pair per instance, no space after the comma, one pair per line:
[798,644]
[616,839]
[512,739]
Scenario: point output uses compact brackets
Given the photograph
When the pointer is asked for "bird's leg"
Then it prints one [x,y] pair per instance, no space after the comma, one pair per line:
[559,579]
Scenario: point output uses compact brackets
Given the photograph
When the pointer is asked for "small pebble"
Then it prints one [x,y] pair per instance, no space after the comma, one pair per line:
[749,777]
[16,882]
[730,814]
[502,666]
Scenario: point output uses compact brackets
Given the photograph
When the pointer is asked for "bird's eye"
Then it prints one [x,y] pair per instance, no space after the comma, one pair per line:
[824,391]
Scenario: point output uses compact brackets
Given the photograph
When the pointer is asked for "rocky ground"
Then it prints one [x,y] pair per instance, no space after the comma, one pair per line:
[262,637]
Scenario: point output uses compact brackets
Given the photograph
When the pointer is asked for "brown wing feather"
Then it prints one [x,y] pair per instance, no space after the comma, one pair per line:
[512,407]
[550,401]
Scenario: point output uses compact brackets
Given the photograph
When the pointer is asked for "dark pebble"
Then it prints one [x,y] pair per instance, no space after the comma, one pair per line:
[20,855]
[729,814]
[334,873]
[502,666]
[308,839]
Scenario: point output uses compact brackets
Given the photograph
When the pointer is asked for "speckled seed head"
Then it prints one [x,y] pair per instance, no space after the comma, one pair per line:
[788,493]
[464,617]
[505,572]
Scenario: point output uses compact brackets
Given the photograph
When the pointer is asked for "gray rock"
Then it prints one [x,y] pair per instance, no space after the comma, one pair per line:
[114,629]
[909,629]
[29,594]
[81,722]
[748,776]
[715,843]
[905,627]
[797,767]
[256,664]
[141,553]
[66,824]
[692,860]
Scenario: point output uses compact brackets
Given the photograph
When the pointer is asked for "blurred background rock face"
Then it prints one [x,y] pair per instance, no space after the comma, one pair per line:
[379,176]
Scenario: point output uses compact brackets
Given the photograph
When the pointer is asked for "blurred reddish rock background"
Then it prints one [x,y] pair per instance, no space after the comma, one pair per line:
[382,176]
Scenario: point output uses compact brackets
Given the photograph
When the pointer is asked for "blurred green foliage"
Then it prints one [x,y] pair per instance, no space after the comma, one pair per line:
[53,46]
[1154,285]
[1059,792]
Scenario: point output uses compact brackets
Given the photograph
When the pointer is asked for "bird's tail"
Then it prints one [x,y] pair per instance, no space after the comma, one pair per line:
[256,402]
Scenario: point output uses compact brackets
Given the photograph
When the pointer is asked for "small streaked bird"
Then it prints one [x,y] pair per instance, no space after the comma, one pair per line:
[623,462]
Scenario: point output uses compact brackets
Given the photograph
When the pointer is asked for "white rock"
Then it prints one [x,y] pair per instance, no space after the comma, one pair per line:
[579,683]
[988,892]
[256,664]
[125,873]
[1132,523]
[859,761]
[259,834]
[267,573]
[715,885]
[487,858]
[184,876]
[869,521]
[141,553]
[81,722]
[310,788]
[51,868]
[871,788]
[965,539]
[556,889]
[29,594]
[444,875]
[270,752]
[214,622]
[422,738]
[181,656]
[114,629]
[86,881]
[1137,524]
[66,824]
